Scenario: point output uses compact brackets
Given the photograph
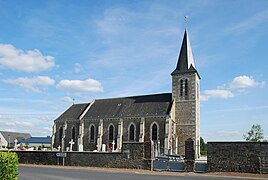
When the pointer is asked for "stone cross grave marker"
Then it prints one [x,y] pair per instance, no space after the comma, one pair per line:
[16,144]
[71,144]
[113,143]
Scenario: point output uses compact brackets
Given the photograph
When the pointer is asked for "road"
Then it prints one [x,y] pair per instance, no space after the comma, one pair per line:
[55,173]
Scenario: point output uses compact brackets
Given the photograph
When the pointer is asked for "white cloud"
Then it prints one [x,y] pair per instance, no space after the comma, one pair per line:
[29,61]
[77,67]
[44,118]
[238,85]
[24,124]
[223,135]
[47,130]
[217,93]
[31,84]
[245,82]
[89,85]
[250,23]
[67,99]
[12,122]
[115,28]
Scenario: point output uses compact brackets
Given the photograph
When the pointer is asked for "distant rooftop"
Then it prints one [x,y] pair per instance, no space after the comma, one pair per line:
[37,140]
[11,136]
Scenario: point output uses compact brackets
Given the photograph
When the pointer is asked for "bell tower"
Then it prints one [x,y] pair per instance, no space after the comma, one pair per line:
[186,99]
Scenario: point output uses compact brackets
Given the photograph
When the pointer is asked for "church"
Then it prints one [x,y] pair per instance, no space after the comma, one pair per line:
[166,120]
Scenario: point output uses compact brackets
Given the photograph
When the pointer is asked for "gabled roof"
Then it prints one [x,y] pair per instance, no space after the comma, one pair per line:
[37,140]
[14,135]
[136,106]
[73,112]
[186,61]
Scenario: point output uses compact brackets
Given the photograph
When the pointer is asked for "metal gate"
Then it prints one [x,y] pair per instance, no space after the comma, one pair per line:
[165,163]
[168,164]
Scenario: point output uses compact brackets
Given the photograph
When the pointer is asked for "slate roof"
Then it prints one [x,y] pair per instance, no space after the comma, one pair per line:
[186,61]
[73,113]
[15,135]
[136,106]
[37,140]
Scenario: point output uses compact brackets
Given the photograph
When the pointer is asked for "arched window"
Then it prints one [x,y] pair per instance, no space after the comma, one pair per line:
[181,87]
[61,133]
[92,133]
[154,132]
[111,133]
[131,132]
[73,133]
[186,87]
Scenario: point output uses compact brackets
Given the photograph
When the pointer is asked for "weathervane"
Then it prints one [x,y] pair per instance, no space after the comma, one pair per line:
[185,20]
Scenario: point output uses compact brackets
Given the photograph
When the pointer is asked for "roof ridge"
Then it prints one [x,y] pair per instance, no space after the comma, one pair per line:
[133,96]
[14,132]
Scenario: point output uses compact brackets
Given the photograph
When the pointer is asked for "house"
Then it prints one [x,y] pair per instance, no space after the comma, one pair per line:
[7,139]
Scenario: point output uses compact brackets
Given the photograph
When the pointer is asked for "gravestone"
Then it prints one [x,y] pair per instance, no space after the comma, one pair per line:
[16,144]
[81,148]
[103,148]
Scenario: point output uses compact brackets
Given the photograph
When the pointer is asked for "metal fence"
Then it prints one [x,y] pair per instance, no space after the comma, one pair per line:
[176,165]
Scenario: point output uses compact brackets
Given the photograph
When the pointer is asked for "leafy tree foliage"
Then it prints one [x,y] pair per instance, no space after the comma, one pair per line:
[255,134]
[203,147]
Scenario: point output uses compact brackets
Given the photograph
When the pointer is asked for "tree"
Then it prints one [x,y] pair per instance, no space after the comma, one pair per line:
[255,134]
[203,147]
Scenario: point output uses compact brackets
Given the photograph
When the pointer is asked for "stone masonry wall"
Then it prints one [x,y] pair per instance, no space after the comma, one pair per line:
[132,157]
[249,157]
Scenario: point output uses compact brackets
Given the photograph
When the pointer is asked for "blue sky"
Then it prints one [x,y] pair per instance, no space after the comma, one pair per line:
[54,51]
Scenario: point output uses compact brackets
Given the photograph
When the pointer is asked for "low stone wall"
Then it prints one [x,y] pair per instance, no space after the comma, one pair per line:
[132,157]
[37,157]
[249,157]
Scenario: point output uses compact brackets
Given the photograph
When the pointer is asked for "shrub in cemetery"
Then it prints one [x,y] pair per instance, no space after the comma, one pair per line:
[8,166]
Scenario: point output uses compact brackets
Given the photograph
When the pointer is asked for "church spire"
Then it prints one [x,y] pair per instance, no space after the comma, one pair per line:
[186,60]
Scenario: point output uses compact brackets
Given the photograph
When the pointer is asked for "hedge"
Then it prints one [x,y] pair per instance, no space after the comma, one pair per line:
[8,166]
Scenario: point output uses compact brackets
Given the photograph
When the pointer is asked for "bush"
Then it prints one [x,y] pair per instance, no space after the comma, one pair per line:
[8,166]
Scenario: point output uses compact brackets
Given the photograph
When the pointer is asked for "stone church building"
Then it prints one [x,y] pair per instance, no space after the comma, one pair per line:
[166,120]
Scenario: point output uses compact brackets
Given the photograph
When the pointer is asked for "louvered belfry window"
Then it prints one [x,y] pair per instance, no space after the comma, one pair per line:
[186,87]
